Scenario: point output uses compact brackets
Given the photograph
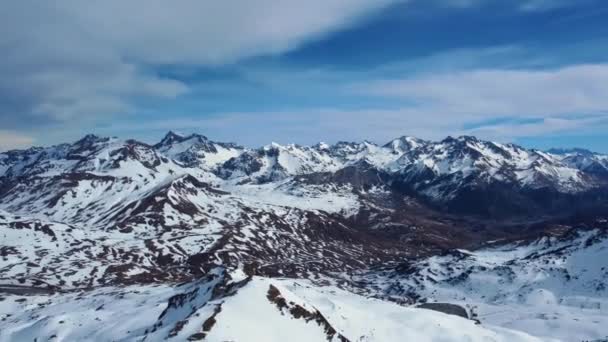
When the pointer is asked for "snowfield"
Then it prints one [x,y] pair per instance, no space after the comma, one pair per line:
[295,311]
[550,288]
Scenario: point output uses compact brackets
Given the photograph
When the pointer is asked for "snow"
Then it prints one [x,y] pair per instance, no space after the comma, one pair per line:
[338,200]
[109,314]
[136,313]
[208,153]
[250,316]
[548,288]
[351,315]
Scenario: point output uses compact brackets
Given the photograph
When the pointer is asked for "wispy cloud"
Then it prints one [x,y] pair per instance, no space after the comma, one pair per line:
[542,127]
[494,92]
[67,59]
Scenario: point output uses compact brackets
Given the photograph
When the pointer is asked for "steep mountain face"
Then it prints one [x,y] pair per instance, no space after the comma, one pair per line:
[101,213]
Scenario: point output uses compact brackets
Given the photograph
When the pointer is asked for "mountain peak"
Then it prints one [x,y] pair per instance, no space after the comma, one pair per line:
[197,136]
[91,140]
[321,146]
[272,146]
[404,143]
[170,138]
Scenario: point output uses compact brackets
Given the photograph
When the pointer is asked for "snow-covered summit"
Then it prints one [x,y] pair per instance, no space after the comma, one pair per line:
[196,150]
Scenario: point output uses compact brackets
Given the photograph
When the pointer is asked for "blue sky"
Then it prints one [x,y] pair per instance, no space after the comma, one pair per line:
[528,71]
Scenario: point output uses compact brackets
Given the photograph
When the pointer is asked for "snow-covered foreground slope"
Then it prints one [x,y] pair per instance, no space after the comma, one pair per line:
[249,309]
[552,287]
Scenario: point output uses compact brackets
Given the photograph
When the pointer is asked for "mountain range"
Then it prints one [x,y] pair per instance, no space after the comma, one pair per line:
[195,236]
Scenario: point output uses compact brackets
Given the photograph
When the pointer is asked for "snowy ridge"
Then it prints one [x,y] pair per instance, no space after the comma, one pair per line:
[196,150]
[224,307]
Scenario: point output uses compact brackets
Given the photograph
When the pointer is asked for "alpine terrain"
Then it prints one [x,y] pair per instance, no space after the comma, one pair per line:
[195,240]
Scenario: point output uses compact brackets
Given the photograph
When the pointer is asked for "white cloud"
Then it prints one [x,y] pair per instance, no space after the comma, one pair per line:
[499,93]
[547,126]
[66,59]
[210,32]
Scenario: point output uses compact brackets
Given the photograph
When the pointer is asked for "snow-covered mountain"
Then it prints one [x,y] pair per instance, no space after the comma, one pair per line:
[469,160]
[299,231]
[587,161]
[196,150]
